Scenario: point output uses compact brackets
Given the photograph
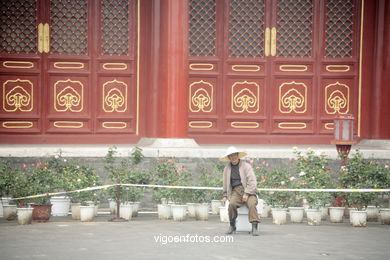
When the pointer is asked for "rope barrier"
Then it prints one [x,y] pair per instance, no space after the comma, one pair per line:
[103,187]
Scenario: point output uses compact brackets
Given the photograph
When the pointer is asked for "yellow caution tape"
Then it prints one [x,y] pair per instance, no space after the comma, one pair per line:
[194,188]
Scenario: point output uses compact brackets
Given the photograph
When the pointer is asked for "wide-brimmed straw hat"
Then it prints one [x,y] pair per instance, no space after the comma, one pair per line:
[229,151]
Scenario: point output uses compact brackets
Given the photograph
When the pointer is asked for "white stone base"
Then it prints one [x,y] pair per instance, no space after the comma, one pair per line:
[167,143]
[242,222]
[185,148]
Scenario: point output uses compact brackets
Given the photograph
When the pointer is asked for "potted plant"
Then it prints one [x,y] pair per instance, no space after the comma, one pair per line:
[167,173]
[7,180]
[336,210]
[295,202]
[20,189]
[295,209]
[212,178]
[74,177]
[126,172]
[261,172]
[277,178]
[40,180]
[384,213]
[313,172]
[359,173]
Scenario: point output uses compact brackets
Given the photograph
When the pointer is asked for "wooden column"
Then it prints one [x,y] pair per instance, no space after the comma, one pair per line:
[173,63]
[381,91]
[385,105]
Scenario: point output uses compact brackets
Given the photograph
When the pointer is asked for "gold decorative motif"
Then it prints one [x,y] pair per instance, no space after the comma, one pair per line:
[68,65]
[267,42]
[292,125]
[295,68]
[273,41]
[338,68]
[200,124]
[46,37]
[329,126]
[336,98]
[201,96]
[114,96]
[201,66]
[244,124]
[22,64]
[68,96]
[248,68]
[114,66]
[40,38]
[114,125]
[293,99]
[18,95]
[68,124]
[245,97]
[17,124]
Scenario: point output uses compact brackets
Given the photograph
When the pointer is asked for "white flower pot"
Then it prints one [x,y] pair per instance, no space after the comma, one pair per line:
[170,204]
[60,206]
[324,213]
[202,211]
[296,214]
[9,212]
[191,209]
[358,218]
[164,211]
[313,217]
[135,208]
[95,210]
[24,216]
[87,213]
[279,216]
[112,205]
[372,213]
[223,214]
[336,214]
[126,211]
[385,216]
[75,209]
[179,212]
[349,213]
[4,201]
[266,211]
[260,207]
[215,204]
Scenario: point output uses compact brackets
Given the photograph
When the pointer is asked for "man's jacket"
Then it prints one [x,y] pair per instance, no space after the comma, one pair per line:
[248,179]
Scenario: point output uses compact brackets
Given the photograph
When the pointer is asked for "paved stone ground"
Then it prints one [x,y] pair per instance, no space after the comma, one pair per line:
[64,238]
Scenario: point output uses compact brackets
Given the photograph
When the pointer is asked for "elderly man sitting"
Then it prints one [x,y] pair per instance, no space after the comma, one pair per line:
[239,187]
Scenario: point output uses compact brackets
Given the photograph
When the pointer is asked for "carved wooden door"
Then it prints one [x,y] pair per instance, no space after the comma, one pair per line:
[21,66]
[68,67]
[271,71]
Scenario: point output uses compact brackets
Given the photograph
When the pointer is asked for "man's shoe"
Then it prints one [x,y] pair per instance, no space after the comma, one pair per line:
[254,229]
[232,228]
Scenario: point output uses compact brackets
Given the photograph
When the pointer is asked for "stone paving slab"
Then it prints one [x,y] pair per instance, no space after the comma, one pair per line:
[64,238]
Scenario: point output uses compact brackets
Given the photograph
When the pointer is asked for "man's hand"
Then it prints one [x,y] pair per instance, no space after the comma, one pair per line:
[245,197]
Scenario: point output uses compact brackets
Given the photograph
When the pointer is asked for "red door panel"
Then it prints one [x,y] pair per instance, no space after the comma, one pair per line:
[279,59]
[203,100]
[69,67]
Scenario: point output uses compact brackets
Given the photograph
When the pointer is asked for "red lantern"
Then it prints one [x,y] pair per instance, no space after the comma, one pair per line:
[343,135]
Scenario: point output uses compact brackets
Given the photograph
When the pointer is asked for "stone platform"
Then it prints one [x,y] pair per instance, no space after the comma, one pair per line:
[186,148]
